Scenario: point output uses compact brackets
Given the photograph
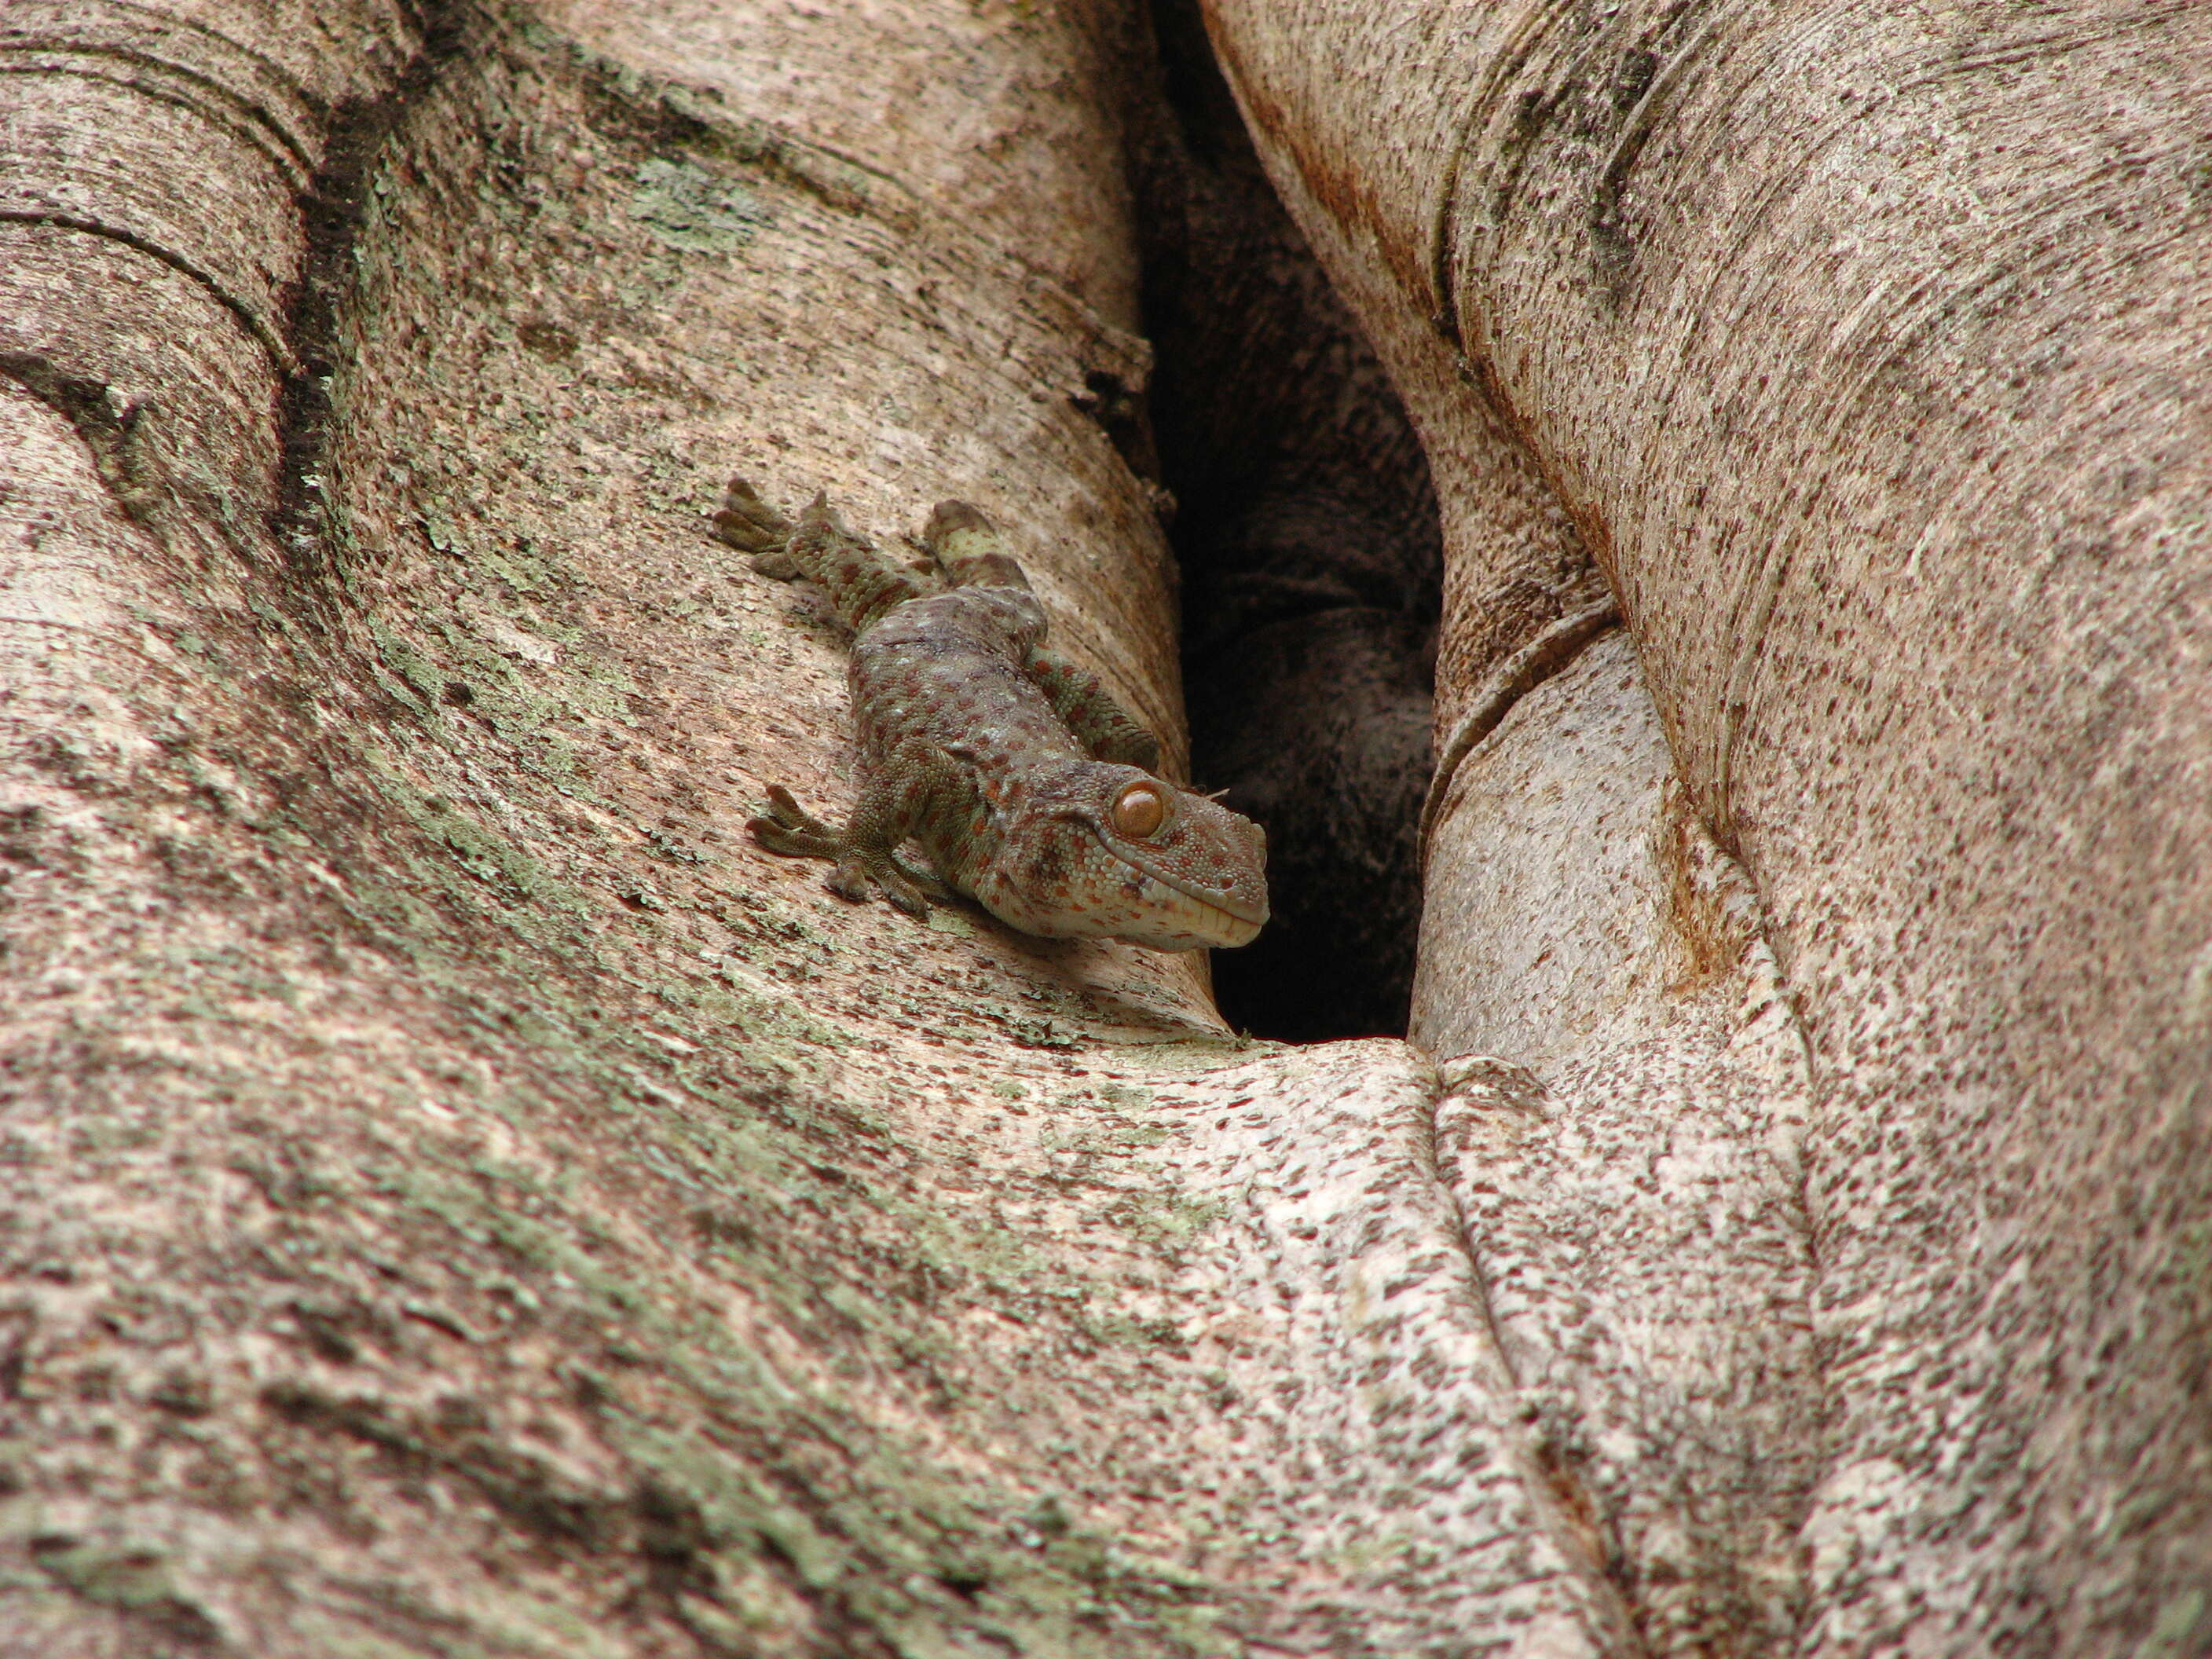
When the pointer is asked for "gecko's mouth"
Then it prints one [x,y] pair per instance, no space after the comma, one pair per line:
[1184,921]
[1209,918]
[1229,927]
[1235,930]
[1243,915]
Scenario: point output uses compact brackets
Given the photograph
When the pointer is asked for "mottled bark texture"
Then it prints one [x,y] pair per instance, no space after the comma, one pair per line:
[1863,348]
[1307,536]
[459,1196]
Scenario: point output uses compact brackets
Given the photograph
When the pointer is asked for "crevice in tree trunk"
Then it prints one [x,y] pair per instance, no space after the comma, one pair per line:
[1312,563]
[332,212]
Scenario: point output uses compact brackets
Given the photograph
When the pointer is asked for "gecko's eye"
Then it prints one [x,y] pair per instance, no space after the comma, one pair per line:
[1140,811]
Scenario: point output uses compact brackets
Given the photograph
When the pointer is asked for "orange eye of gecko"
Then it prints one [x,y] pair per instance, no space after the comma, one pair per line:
[1140,811]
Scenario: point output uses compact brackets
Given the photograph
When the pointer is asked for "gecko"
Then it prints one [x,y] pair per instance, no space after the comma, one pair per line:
[1027,786]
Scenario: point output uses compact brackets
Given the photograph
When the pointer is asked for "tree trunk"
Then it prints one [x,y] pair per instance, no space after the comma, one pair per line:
[462,1196]
[1862,350]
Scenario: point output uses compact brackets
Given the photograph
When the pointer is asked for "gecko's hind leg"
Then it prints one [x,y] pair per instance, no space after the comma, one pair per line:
[749,523]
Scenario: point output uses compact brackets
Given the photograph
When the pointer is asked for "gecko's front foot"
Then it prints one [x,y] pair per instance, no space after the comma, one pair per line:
[858,873]
[789,831]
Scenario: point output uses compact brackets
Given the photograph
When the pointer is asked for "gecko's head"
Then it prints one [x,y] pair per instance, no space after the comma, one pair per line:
[1100,851]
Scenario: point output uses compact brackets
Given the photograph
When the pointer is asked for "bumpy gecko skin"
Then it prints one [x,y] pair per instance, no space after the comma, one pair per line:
[1027,786]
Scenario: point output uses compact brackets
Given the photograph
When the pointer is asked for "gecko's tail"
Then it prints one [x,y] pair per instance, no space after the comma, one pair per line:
[861,583]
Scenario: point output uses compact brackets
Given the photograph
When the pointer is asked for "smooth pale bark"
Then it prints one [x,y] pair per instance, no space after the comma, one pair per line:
[1863,348]
[459,1196]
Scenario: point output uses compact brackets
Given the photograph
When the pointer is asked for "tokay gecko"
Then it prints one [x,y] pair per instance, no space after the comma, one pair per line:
[1027,786]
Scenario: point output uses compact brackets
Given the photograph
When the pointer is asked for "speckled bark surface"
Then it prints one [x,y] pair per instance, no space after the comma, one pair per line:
[459,1198]
[1861,347]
